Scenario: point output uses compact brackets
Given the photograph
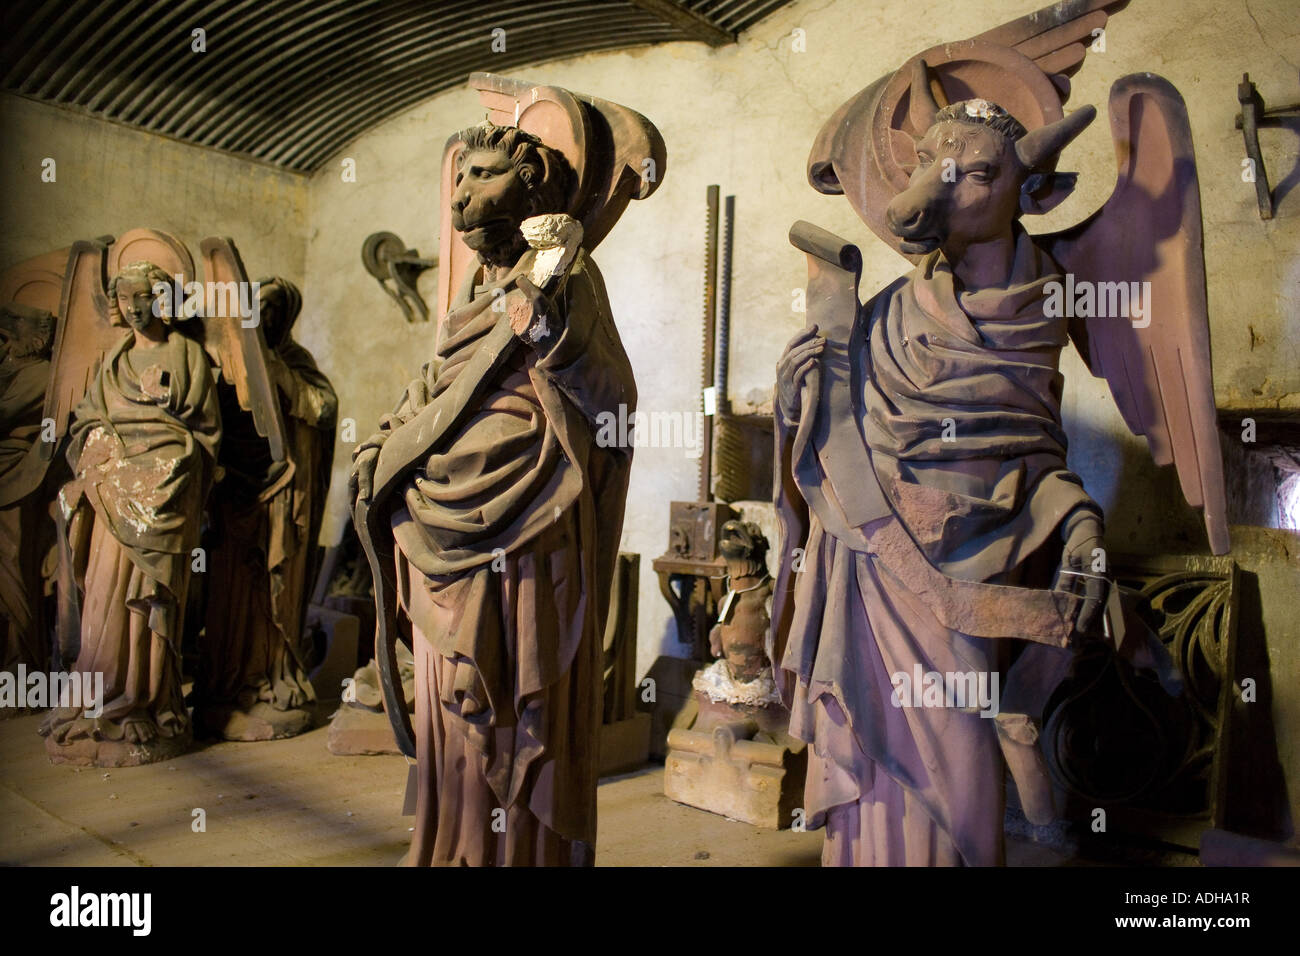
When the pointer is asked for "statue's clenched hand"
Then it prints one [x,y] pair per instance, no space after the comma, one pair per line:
[1083,538]
[802,354]
[362,478]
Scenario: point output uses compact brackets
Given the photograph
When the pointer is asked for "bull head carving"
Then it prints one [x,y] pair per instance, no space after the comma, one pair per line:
[978,171]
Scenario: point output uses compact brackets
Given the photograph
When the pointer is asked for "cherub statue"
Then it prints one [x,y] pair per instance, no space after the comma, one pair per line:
[143,451]
[487,491]
[933,529]
[265,516]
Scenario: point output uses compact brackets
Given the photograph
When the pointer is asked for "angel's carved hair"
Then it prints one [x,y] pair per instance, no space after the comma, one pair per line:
[981,112]
[545,171]
[150,273]
[30,331]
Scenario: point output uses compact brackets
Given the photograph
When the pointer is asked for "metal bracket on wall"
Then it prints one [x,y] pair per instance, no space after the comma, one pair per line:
[1253,115]
[386,258]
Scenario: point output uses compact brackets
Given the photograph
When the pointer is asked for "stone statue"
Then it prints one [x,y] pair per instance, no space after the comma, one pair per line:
[940,560]
[742,673]
[26,531]
[489,509]
[730,751]
[143,451]
[30,471]
[265,516]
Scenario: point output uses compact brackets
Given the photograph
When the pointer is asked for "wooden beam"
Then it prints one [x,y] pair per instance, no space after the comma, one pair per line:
[688,21]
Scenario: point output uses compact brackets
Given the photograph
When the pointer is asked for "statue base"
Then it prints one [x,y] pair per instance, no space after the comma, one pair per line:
[358,732]
[259,722]
[88,752]
[738,760]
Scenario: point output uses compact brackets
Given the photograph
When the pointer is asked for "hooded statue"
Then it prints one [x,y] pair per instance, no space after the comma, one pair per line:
[265,519]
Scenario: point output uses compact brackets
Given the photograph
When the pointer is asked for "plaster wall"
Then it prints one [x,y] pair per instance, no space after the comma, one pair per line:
[111,178]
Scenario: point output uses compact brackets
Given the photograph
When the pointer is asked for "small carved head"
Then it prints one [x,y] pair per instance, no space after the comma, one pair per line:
[978,171]
[279,303]
[139,293]
[744,547]
[503,176]
[25,332]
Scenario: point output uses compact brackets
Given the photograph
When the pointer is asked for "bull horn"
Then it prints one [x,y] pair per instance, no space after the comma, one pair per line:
[923,108]
[1039,148]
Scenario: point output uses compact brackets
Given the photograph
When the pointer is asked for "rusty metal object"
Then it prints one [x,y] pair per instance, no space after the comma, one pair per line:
[1113,737]
[710,338]
[1254,115]
[691,571]
[397,270]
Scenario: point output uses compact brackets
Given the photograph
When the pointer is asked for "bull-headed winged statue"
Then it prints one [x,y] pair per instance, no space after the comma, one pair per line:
[922,485]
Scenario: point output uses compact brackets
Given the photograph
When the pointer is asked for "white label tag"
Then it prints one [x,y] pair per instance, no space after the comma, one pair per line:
[1113,617]
[725,607]
[710,400]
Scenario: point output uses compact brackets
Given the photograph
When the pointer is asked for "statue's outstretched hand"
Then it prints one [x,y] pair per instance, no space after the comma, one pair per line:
[802,354]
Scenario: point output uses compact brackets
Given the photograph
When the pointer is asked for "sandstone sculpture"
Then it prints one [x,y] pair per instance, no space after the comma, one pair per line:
[142,446]
[490,512]
[933,533]
[266,516]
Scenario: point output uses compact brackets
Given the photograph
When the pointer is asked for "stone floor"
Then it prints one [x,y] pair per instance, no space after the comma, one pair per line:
[291,803]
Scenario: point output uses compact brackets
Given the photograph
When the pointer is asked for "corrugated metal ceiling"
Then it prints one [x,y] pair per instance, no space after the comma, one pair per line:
[291,82]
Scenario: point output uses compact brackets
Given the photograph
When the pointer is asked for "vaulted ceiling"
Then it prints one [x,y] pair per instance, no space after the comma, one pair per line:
[291,82]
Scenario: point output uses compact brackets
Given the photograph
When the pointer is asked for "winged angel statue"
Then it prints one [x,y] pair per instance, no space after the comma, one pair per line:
[29,302]
[133,399]
[937,545]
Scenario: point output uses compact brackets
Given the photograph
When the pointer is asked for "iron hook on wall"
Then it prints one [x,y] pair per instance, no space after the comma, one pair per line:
[1253,115]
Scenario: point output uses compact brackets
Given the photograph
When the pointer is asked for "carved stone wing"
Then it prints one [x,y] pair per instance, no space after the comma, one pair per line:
[1156,359]
[866,150]
[36,282]
[82,337]
[238,348]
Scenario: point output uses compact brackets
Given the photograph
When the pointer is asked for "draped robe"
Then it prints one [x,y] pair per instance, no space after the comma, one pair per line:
[267,520]
[507,536]
[25,528]
[143,448]
[957,397]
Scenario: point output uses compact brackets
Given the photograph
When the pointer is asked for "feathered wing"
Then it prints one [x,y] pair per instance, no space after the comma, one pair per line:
[236,347]
[1058,37]
[1156,359]
[1149,231]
